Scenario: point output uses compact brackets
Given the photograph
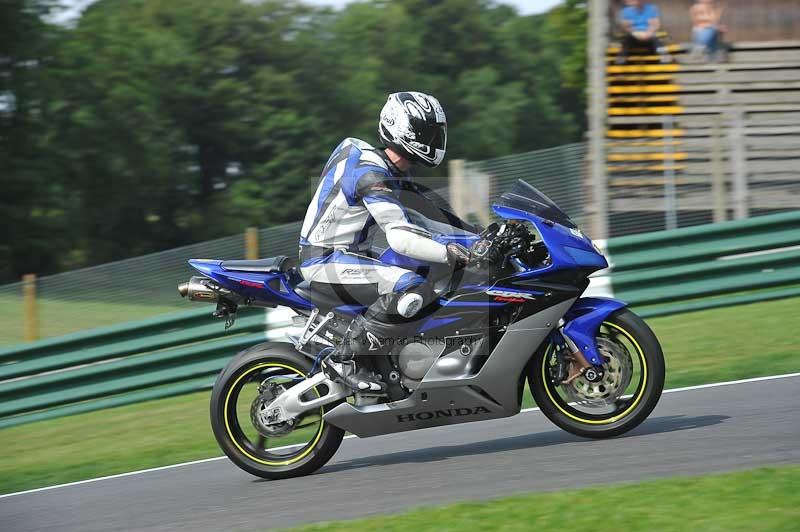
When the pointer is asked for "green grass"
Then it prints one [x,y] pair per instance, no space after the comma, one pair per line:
[701,347]
[105,442]
[730,343]
[57,317]
[762,499]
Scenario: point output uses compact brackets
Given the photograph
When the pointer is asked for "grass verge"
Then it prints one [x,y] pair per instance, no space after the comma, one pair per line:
[730,343]
[701,347]
[761,499]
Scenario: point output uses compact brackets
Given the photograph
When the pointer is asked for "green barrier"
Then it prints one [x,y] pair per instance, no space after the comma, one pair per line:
[706,260]
[148,394]
[707,270]
[704,242]
[101,336]
[708,279]
[181,353]
[120,375]
[721,302]
[126,363]
[169,335]
[704,288]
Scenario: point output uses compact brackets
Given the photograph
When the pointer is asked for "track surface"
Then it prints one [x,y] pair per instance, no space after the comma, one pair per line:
[690,432]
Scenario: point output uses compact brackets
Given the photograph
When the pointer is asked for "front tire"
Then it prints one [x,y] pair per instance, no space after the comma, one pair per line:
[300,451]
[629,346]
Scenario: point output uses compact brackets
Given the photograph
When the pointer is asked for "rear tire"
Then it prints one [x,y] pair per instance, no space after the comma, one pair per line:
[629,412]
[231,431]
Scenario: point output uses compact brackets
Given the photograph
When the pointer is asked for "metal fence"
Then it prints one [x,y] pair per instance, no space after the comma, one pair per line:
[729,175]
[145,286]
[559,172]
[126,290]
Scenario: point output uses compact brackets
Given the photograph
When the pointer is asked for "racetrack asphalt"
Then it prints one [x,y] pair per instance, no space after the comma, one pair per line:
[691,432]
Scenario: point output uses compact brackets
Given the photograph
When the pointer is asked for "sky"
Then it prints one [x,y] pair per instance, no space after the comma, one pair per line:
[525,7]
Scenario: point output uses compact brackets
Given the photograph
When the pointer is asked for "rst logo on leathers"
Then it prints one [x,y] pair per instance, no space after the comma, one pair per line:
[436,414]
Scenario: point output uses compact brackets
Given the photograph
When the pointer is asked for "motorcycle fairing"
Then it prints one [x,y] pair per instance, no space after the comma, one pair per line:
[583,323]
[274,288]
[451,392]
[569,249]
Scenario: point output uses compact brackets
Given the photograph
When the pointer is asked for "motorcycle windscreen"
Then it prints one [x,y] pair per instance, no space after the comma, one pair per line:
[526,197]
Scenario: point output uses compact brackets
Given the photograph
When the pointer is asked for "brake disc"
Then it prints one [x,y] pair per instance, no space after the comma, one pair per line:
[262,418]
[617,374]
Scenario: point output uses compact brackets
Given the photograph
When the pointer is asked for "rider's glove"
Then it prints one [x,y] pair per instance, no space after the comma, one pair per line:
[457,254]
[484,251]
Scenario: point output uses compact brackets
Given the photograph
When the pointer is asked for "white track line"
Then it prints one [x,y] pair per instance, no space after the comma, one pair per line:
[173,466]
[729,383]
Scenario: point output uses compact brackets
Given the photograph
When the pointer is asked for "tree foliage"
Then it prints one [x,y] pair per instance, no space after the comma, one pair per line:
[154,123]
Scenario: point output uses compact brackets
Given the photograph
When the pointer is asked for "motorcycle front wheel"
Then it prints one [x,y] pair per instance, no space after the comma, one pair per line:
[293,449]
[632,382]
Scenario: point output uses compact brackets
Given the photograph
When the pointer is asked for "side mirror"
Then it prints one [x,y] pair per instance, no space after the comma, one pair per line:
[490,230]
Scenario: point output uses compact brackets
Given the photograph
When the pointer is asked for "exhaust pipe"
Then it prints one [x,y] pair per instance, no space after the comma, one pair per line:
[202,289]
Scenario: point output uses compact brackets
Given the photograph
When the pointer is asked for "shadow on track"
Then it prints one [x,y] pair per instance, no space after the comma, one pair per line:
[528,441]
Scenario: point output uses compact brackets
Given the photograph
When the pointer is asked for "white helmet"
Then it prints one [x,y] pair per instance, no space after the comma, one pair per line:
[414,125]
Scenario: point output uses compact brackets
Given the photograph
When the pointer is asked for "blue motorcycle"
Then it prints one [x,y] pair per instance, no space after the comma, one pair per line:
[594,368]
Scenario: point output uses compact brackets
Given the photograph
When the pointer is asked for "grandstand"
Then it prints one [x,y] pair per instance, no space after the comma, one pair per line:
[704,141]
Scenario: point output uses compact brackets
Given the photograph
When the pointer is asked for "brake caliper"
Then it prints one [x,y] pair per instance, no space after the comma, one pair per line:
[559,361]
[266,421]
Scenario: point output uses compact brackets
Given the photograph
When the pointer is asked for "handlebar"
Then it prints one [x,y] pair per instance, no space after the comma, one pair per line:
[500,243]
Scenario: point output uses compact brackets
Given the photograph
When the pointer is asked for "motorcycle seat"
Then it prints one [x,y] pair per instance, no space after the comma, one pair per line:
[279,264]
[327,296]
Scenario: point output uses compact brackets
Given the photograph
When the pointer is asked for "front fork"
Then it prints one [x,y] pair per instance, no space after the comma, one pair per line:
[574,340]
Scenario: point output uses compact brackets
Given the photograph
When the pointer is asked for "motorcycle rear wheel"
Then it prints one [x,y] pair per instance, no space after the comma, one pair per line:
[628,345]
[290,452]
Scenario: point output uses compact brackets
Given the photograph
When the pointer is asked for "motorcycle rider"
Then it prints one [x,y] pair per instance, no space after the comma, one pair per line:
[361,186]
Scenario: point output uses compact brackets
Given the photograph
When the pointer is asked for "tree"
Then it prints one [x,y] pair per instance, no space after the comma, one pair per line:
[31,205]
[156,123]
[177,109]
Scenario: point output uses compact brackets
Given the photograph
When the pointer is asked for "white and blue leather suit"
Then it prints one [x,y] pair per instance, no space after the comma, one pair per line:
[359,188]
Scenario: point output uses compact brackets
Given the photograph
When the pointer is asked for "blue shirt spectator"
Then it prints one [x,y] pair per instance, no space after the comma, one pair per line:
[640,16]
[640,21]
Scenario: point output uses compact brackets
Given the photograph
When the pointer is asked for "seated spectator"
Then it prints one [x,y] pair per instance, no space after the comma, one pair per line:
[706,28]
[640,22]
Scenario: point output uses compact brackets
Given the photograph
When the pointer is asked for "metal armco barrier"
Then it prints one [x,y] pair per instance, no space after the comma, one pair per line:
[148,359]
[660,273]
[707,260]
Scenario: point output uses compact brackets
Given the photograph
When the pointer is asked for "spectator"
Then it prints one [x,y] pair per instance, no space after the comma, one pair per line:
[706,28]
[640,21]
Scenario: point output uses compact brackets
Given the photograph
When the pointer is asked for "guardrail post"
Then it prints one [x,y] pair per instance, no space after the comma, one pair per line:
[739,162]
[251,243]
[598,179]
[717,176]
[670,196]
[29,308]
[455,186]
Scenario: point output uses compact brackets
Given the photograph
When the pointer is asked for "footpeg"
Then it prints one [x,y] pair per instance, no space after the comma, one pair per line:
[361,382]
[365,383]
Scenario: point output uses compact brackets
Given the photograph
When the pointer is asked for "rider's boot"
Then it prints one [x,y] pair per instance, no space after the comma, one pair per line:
[386,318]
[356,341]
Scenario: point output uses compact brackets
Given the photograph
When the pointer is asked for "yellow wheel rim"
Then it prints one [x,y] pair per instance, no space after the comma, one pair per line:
[636,400]
[275,463]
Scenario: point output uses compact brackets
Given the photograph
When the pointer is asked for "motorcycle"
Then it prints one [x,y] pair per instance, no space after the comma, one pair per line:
[594,368]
